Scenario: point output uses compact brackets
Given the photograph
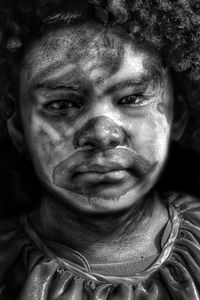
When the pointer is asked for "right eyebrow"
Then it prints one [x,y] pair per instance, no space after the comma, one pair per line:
[50,85]
[47,77]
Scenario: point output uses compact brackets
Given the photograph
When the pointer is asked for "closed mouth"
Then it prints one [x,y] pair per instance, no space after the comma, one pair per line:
[96,168]
[110,166]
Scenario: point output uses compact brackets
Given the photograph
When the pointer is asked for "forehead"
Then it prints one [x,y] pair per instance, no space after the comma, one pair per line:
[94,51]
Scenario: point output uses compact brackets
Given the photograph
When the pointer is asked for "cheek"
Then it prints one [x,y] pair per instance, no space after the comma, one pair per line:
[49,144]
[162,115]
[149,135]
[160,135]
[156,126]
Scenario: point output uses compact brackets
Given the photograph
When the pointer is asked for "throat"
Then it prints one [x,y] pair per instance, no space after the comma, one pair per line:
[121,237]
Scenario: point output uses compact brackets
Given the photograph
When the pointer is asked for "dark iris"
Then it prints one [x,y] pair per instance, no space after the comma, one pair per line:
[62,104]
[133,99]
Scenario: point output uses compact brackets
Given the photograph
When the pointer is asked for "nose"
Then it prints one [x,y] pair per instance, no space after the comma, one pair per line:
[101,133]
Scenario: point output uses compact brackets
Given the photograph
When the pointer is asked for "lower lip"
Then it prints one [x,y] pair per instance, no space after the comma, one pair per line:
[94,177]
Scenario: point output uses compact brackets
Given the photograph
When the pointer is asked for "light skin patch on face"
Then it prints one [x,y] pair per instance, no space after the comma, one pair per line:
[164,106]
[107,51]
[163,120]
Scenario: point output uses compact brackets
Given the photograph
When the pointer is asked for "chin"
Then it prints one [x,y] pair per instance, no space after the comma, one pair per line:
[103,201]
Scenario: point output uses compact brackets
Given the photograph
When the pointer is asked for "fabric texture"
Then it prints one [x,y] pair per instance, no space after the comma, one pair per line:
[30,270]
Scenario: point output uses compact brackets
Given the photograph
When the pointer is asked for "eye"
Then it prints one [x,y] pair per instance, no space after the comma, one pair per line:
[134,100]
[61,105]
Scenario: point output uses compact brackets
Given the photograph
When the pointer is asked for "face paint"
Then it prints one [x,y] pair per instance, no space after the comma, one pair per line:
[110,168]
[97,120]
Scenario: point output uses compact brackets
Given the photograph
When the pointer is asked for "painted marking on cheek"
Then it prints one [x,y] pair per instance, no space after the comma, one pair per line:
[68,132]
[47,141]
[39,124]
[47,146]
[54,135]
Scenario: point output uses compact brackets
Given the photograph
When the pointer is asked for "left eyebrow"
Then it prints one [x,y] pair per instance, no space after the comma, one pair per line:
[131,82]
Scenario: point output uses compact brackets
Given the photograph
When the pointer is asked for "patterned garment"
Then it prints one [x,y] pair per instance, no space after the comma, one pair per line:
[31,271]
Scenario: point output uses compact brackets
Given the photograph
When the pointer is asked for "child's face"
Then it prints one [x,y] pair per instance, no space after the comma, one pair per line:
[97,120]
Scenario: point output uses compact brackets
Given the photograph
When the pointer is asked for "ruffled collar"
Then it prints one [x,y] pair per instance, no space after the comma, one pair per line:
[78,264]
[174,275]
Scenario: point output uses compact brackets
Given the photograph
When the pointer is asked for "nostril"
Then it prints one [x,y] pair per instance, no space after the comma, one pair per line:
[100,132]
[86,144]
[84,140]
[113,144]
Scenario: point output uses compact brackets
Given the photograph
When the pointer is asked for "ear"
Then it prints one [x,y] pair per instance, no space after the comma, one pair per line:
[16,132]
[181,115]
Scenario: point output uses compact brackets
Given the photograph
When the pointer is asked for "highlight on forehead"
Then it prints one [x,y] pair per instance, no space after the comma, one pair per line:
[106,51]
[85,42]
[89,38]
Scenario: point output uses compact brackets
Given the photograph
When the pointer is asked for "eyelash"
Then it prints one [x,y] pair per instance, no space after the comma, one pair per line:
[67,104]
[143,100]
[128,100]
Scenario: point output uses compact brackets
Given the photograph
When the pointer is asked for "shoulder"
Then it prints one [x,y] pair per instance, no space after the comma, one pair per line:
[12,240]
[187,245]
[181,270]
[10,231]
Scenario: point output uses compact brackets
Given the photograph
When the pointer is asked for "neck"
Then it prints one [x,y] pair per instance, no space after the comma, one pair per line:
[120,236]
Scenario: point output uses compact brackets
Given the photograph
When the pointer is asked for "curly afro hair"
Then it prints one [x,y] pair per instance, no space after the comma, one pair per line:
[170,26]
